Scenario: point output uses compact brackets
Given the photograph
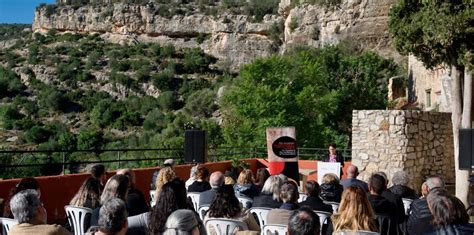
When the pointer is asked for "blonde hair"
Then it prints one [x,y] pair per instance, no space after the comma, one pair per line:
[355,212]
[245,177]
[330,178]
[165,175]
[229,180]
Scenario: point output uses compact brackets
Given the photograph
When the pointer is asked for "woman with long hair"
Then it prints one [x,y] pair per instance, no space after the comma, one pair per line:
[261,176]
[164,176]
[172,197]
[226,205]
[270,194]
[355,212]
[88,194]
[116,187]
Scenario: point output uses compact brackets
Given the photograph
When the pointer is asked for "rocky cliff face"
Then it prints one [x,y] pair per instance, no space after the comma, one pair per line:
[233,39]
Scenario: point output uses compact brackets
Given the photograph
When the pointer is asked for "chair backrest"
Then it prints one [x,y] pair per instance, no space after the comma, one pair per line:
[274,229]
[7,224]
[302,197]
[225,226]
[152,197]
[261,213]
[246,201]
[361,232]
[387,224]
[335,205]
[79,218]
[202,211]
[406,204]
[195,199]
[324,218]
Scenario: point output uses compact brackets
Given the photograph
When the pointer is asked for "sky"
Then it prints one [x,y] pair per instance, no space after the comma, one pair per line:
[19,11]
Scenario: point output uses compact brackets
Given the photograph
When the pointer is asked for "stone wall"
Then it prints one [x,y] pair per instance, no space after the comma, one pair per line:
[419,143]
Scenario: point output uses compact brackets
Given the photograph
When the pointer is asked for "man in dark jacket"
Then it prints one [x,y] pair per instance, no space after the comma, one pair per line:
[216,180]
[313,201]
[419,220]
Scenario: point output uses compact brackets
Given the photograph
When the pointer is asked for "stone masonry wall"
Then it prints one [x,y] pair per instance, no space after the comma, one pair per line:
[419,143]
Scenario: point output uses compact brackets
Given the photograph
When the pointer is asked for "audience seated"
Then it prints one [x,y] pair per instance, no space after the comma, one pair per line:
[449,214]
[420,216]
[88,194]
[261,176]
[183,222]
[355,212]
[116,187]
[313,201]
[245,185]
[352,173]
[25,183]
[164,176]
[289,195]
[136,202]
[303,221]
[331,190]
[201,184]
[28,210]
[172,197]
[216,181]
[112,219]
[229,180]
[98,172]
[270,195]
[226,205]
[167,163]
[394,199]
[380,205]
[400,181]
[192,176]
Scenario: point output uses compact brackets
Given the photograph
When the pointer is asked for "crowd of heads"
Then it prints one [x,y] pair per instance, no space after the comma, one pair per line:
[173,212]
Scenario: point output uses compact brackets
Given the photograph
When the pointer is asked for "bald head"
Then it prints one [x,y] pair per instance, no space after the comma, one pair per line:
[217,179]
[352,171]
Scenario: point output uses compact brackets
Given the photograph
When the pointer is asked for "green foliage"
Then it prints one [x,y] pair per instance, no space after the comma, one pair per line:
[260,8]
[435,32]
[53,100]
[201,103]
[196,60]
[10,83]
[89,139]
[13,31]
[37,135]
[275,33]
[314,90]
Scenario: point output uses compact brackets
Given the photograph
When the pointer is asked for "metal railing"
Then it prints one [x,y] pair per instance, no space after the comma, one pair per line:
[23,163]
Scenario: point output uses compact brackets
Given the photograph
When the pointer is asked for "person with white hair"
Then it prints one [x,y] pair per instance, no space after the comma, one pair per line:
[30,213]
[112,219]
[182,222]
[400,186]
[192,176]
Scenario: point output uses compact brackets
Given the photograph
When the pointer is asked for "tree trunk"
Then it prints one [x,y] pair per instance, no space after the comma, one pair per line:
[461,102]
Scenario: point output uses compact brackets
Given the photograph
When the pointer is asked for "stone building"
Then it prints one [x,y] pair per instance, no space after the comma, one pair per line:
[419,143]
[430,89]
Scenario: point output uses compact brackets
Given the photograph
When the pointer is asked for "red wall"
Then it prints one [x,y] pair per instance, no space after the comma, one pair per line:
[57,191]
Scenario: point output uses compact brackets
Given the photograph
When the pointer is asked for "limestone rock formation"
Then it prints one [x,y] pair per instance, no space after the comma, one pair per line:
[233,39]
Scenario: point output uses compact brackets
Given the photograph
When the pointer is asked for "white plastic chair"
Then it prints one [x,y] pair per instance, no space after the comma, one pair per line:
[152,197]
[335,205]
[79,218]
[274,229]
[225,226]
[261,213]
[361,232]
[202,211]
[406,204]
[7,224]
[246,201]
[195,199]
[323,218]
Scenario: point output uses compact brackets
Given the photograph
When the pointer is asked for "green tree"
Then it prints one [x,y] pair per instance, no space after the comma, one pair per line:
[89,139]
[441,33]
[314,90]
